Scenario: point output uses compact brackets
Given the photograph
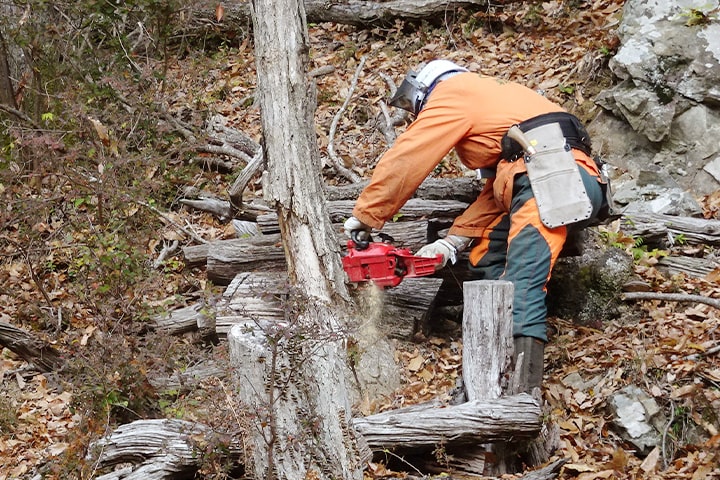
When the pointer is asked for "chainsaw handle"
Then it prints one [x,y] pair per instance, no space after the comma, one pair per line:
[361,238]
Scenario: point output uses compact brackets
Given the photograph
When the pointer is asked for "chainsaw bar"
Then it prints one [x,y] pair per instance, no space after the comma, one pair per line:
[385,265]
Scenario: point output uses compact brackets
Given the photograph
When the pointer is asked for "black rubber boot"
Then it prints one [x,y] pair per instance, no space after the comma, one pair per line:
[529,375]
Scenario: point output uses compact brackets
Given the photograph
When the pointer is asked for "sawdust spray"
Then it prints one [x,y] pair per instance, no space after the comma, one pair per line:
[371,354]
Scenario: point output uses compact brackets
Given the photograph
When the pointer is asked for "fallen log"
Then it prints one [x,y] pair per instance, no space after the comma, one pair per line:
[463,189]
[406,234]
[178,321]
[414,209]
[352,12]
[403,310]
[695,267]
[428,425]
[160,449]
[226,258]
[661,231]
[30,348]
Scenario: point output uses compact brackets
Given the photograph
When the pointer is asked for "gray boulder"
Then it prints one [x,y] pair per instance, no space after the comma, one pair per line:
[663,114]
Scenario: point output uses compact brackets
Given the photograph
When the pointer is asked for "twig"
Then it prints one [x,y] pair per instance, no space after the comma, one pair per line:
[337,163]
[33,275]
[187,232]
[17,113]
[665,433]
[387,128]
[709,351]
[672,297]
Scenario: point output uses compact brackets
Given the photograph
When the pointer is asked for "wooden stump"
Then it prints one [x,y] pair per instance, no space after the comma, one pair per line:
[487,337]
[487,351]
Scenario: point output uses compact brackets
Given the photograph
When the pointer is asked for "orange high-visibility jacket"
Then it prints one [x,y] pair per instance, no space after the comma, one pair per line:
[471,113]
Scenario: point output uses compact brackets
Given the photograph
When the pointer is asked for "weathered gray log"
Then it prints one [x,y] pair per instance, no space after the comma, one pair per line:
[30,348]
[259,296]
[160,448]
[695,267]
[406,234]
[463,189]
[352,12]
[406,309]
[470,423]
[179,321]
[663,230]
[226,258]
[414,209]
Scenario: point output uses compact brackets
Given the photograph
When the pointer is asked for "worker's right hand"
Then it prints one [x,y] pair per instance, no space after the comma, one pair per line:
[357,231]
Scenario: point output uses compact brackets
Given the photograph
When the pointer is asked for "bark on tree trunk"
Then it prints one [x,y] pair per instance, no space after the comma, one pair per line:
[298,393]
[7,92]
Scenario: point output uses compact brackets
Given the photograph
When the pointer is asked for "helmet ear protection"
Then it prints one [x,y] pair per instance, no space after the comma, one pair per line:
[412,92]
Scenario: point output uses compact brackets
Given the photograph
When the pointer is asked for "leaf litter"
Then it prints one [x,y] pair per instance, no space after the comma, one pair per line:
[667,349]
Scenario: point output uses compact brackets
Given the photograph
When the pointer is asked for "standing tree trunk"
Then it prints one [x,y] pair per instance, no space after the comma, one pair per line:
[293,373]
[7,92]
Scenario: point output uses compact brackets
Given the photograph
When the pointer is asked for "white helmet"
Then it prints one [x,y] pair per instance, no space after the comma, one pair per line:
[411,93]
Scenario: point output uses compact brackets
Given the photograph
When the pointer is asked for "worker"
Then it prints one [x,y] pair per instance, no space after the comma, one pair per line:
[505,229]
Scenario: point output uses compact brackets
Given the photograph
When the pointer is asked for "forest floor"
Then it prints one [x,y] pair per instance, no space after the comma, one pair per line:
[666,349]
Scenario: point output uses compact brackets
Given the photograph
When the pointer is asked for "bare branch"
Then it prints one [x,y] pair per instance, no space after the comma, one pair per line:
[337,163]
[672,297]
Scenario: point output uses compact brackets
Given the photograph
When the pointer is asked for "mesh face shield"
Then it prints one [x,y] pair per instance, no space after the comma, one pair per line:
[409,94]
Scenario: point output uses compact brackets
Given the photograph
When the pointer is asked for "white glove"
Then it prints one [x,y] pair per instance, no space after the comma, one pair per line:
[352,224]
[449,247]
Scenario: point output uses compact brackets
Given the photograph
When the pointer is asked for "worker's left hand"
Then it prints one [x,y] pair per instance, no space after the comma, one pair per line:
[448,247]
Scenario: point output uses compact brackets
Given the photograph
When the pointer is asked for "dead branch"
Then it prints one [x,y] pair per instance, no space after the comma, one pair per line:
[709,351]
[166,251]
[337,163]
[227,150]
[238,187]
[319,72]
[178,125]
[187,232]
[387,128]
[672,297]
[30,348]
[19,115]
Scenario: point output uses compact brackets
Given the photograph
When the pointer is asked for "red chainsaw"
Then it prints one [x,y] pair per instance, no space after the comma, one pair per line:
[384,264]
